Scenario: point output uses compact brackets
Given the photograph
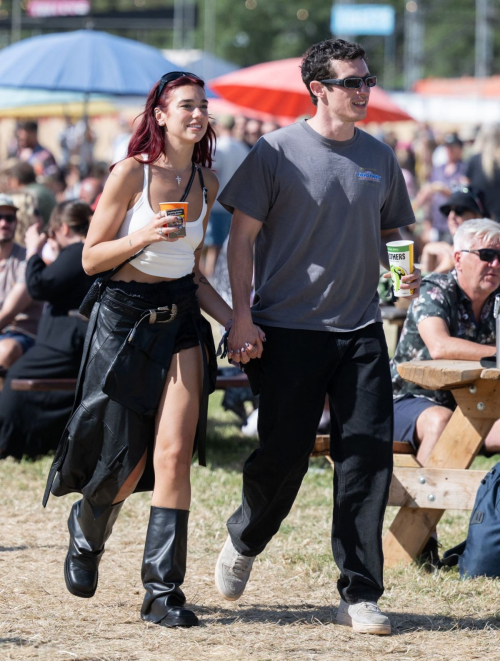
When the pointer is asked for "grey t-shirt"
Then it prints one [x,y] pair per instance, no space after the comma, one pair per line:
[323,204]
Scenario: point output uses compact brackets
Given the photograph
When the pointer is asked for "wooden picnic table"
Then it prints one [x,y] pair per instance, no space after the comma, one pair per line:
[425,492]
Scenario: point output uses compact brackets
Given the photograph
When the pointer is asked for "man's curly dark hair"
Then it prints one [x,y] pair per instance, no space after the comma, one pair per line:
[317,61]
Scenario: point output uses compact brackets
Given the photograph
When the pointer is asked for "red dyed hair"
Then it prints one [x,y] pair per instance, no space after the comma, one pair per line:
[149,138]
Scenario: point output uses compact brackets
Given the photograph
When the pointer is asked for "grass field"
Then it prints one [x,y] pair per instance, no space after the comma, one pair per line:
[287,612]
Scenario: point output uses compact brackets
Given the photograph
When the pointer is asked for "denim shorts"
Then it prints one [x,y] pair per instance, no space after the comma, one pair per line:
[25,341]
[406,412]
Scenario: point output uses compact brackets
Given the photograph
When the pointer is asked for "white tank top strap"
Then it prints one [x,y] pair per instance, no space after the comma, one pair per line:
[145,184]
[204,188]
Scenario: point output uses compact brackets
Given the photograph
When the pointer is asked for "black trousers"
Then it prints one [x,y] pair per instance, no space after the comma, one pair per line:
[295,372]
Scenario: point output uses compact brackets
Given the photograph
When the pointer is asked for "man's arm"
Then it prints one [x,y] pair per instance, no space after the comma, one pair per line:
[435,333]
[17,301]
[244,230]
[411,281]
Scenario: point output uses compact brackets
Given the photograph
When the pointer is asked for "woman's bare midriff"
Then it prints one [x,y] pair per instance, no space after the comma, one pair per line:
[129,273]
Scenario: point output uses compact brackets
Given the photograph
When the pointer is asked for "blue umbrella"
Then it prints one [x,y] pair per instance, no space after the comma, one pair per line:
[83,61]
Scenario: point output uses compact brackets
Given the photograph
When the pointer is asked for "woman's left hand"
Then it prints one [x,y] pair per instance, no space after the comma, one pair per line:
[34,240]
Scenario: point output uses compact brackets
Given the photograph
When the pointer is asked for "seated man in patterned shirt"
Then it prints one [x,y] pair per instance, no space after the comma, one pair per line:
[452,319]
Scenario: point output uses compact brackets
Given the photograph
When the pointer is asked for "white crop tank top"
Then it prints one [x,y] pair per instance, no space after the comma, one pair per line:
[163,259]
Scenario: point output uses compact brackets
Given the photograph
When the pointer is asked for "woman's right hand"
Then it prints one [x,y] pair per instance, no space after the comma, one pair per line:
[156,230]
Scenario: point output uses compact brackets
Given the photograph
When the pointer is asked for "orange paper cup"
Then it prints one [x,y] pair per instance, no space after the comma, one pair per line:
[176,214]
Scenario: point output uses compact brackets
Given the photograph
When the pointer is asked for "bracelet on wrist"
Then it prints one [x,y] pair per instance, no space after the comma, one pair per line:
[228,325]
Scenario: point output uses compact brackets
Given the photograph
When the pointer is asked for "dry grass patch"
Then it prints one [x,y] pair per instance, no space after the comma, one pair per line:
[286,613]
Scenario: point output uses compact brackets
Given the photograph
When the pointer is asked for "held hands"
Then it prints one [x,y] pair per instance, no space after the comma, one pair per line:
[411,281]
[245,342]
[157,230]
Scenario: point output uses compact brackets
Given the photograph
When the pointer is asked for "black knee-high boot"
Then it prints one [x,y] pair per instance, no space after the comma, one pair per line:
[164,568]
[86,546]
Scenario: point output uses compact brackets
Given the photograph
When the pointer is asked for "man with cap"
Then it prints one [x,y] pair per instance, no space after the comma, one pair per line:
[463,204]
[19,314]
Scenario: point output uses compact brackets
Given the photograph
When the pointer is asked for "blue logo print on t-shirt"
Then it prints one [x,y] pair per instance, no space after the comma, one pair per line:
[368,175]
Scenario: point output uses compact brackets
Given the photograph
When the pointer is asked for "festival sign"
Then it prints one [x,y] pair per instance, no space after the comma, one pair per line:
[45,8]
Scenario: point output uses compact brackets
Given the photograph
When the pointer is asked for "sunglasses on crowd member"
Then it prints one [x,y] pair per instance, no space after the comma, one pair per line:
[351,83]
[486,254]
[459,211]
[8,217]
[169,77]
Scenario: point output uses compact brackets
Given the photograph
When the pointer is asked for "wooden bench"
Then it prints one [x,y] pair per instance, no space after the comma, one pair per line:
[321,447]
[46,385]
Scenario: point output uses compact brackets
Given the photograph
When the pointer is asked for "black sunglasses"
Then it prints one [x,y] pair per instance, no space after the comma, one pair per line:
[486,254]
[351,83]
[169,77]
[8,217]
[459,211]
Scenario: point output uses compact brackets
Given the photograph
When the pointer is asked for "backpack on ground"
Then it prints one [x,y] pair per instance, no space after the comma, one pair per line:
[479,554]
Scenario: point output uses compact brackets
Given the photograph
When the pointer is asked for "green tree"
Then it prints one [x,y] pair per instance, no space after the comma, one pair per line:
[252,31]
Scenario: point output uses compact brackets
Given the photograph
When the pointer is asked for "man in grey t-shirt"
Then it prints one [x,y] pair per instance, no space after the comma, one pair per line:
[319,200]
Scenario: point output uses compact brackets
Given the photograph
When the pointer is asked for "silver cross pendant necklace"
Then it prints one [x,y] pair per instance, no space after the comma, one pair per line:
[178,177]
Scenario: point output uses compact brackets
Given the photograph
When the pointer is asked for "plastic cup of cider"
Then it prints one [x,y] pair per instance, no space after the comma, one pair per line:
[175,216]
[401,264]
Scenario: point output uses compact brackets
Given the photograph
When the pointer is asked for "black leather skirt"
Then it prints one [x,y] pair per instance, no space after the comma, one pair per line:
[133,333]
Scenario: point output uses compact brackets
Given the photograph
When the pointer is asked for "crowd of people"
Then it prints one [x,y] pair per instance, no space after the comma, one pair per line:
[297,201]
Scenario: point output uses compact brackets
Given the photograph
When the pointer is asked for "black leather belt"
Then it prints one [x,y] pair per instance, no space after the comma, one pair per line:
[160,315]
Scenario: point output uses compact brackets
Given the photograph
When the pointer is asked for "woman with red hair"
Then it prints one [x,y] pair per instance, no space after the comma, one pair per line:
[149,362]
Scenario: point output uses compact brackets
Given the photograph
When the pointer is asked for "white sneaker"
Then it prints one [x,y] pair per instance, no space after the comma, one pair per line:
[364,617]
[250,429]
[232,572]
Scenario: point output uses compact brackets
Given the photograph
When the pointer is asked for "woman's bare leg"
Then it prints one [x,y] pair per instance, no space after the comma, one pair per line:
[10,351]
[176,423]
[131,482]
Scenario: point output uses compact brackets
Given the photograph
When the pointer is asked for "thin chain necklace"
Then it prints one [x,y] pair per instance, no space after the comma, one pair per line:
[178,177]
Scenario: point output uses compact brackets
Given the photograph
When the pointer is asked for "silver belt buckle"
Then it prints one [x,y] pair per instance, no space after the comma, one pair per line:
[153,314]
